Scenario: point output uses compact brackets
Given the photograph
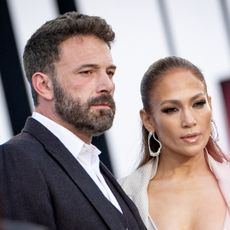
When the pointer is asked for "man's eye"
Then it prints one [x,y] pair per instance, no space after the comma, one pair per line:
[86,72]
[111,73]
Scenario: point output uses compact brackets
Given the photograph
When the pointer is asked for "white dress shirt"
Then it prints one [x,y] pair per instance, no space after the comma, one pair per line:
[87,155]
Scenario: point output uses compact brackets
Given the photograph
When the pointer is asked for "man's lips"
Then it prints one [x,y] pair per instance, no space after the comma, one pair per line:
[103,101]
[102,105]
[191,138]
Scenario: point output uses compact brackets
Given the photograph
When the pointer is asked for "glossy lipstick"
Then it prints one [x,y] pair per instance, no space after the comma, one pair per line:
[191,137]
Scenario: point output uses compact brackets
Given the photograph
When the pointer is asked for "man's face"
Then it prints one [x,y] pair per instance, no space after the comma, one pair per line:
[83,86]
[80,115]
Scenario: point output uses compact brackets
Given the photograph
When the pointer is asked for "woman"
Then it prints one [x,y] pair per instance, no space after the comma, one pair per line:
[183,181]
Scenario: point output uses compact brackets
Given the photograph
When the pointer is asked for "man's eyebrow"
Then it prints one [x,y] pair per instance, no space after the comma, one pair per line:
[87,66]
[112,67]
[94,66]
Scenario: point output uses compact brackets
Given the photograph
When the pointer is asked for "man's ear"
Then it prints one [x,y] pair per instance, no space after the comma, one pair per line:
[43,85]
[147,120]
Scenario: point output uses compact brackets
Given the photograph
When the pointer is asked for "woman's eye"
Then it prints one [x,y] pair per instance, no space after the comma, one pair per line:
[169,110]
[199,104]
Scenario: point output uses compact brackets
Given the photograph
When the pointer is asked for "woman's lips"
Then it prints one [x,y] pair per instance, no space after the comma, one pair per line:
[191,138]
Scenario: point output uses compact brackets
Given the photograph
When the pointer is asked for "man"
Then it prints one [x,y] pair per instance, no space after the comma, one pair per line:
[50,173]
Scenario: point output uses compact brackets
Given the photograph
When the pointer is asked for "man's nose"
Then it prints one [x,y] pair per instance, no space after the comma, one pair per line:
[105,83]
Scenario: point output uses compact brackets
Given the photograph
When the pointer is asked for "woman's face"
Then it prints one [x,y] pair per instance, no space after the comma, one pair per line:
[180,113]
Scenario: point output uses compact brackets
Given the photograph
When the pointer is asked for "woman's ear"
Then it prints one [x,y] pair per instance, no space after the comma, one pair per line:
[43,85]
[147,120]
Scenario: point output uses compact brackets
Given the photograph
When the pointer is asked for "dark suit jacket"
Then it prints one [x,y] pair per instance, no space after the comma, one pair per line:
[19,225]
[41,182]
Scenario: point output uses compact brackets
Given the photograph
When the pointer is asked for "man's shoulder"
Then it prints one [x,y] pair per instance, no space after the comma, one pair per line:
[21,140]
[22,147]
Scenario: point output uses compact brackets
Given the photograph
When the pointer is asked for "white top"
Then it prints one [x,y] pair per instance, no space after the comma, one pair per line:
[136,184]
[87,155]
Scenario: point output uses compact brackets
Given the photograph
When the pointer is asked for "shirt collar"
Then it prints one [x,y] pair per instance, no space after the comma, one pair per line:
[89,155]
[73,143]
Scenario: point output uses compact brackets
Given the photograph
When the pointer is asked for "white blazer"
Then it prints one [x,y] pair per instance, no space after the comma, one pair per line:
[135,185]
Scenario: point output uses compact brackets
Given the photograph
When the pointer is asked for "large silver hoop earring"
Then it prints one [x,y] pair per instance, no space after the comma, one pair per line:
[154,154]
[214,132]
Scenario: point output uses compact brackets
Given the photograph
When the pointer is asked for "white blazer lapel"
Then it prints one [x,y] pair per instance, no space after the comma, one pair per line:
[222,174]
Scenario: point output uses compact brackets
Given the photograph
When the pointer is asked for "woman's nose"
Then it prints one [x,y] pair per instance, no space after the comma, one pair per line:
[188,119]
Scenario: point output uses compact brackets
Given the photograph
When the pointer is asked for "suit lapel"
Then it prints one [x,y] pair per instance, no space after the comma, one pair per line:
[120,194]
[74,170]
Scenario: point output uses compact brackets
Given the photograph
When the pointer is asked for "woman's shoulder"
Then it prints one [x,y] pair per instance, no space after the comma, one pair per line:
[220,169]
[135,185]
[137,179]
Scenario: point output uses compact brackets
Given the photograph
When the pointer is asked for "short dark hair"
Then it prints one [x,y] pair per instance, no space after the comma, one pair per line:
[42,49]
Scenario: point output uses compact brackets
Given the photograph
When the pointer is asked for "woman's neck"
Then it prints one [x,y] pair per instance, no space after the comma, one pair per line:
[182,167]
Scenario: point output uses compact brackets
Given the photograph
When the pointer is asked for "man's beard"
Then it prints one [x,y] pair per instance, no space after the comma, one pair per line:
[79,115]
